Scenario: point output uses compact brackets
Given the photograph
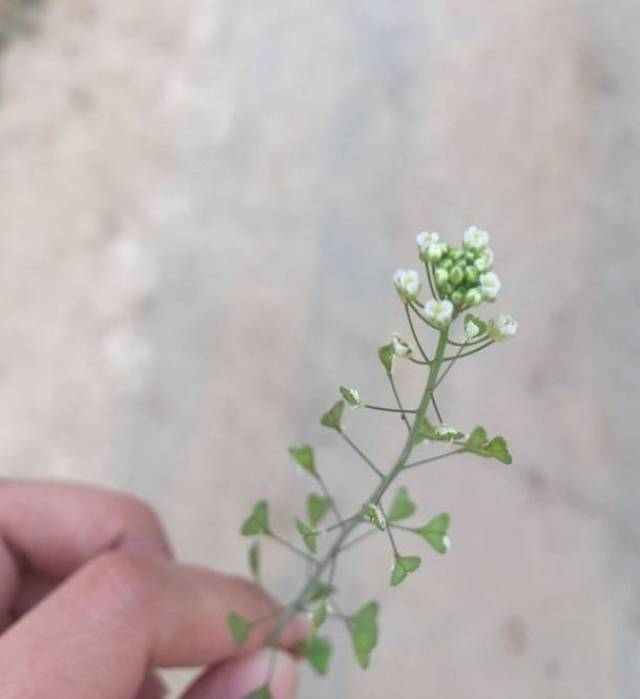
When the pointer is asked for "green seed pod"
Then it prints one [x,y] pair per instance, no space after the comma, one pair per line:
[456,275]
[472,275]
[473,297]
[458,298]
[441,277]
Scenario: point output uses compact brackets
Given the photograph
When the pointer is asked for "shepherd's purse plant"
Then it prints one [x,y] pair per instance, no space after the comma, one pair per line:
[457,280]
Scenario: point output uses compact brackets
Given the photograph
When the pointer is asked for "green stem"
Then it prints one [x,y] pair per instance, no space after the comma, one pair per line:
[350,524]
[415,334]
[468,354]
[433,458]
[361,454]
[294,549]
[388,410]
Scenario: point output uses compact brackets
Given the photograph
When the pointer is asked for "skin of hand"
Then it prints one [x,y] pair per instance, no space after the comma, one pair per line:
[92,601]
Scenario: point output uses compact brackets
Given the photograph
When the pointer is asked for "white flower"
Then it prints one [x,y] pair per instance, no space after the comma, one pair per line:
[401,347]
[471,330]
[476,239]
[407,283]
[446,542]
[502,327]
[425,240]
[490,285]
[439,312]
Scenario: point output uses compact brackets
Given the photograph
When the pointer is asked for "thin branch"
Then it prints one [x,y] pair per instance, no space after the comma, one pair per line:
[293,548]
[433,458]
[362,455]
[415,335]
[434,293]
[358,539]
[468,354]
[327,494]
[389,410]
[396,395]
[435,405]
[450,366]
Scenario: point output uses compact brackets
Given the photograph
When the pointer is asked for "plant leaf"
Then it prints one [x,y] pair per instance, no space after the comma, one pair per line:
[402,567]
[321,591]
[319,615]
[363,629]
[258,520]
[387,357]
[401,506]
[261,693]
[496,448]
[305,457]
[435,533]
[317,508]
[254,560]
[308,535]
[317,650]
[499,449]
[239,628]
[478,322]
[332,418]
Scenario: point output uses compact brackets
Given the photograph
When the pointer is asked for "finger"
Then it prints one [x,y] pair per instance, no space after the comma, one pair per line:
[53,528]
[152,688]
[238,677]
[98,633]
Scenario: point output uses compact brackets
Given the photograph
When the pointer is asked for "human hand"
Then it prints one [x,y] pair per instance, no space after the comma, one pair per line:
[92,600]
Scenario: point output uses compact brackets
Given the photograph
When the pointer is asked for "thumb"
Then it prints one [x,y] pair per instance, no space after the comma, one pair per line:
[235,678]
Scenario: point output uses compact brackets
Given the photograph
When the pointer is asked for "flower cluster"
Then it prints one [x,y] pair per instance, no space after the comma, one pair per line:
[460,279]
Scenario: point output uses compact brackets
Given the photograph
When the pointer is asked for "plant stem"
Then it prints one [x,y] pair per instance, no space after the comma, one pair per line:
[415,334]
[376,496]
[468,354]
[388,410]
[433,458]
[361,454]
[294,549]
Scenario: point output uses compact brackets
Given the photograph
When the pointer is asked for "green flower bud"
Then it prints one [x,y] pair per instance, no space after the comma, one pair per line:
[455,254]
[456,275]
[441,277]
[470,256]
[458,298]
[473,297]
[472,275]
[446,263]
[375,516]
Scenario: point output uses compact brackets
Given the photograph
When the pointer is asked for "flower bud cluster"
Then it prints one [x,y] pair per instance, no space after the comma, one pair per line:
[462,276]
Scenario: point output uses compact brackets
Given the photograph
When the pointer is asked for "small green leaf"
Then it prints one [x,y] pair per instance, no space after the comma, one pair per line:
[435,533]
[478,438]
[439,433]
[308,535]
[387,357]
[496,448]
[363,629]
[499,449]
[333,416]
[254,560]
[478,322]
[319,616]
[261,693]
[317,508]
[305,457]
[351,395]
[403,566]
[401,506]
[258,520]
[239,628]
[321,591]
[317,650]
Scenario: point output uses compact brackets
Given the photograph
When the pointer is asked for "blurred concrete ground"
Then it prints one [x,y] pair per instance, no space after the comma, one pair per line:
[201,207]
